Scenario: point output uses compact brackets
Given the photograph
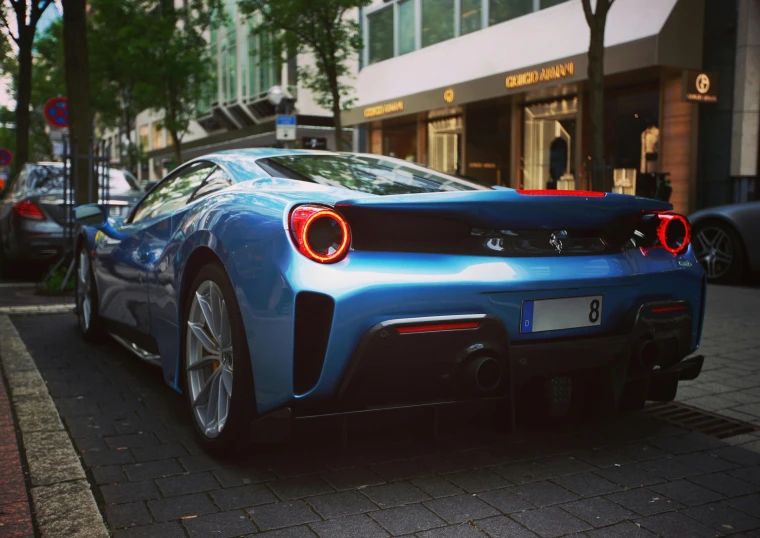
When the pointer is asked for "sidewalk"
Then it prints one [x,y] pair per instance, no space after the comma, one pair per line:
[15,517]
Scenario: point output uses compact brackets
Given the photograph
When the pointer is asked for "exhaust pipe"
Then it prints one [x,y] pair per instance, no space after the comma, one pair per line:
[649,355]
[483,373]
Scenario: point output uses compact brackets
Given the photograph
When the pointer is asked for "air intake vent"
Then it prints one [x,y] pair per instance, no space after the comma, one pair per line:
[314,314]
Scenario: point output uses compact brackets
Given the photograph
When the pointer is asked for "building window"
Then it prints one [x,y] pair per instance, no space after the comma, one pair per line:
[504,10]
[437,21]
[158,136]
[471,16]
[380,35]
[406,27]
[550,3]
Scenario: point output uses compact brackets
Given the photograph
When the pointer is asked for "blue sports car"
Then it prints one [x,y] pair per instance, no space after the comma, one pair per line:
[272,285]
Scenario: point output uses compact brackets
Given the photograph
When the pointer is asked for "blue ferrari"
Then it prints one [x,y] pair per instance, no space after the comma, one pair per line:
[272,285]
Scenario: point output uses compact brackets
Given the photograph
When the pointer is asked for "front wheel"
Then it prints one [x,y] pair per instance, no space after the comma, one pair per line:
[218,377]
[87,298]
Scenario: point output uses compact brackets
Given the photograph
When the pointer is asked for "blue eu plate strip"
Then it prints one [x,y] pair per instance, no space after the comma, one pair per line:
[526,326]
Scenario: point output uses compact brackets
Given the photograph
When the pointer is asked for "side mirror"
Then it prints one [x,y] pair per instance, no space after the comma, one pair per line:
[91,215]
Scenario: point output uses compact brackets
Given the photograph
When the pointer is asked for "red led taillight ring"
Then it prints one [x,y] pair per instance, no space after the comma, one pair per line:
[301,232]
[665,220]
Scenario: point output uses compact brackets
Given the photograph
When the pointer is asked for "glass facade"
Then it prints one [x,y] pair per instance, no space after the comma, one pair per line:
[471,16]
[243,64]
[421,23]
[437,21]
[406,27]
[380,35]
[504,10]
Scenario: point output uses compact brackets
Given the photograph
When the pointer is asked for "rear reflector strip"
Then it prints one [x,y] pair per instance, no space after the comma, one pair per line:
[675,308]
[553,192]
[434,327]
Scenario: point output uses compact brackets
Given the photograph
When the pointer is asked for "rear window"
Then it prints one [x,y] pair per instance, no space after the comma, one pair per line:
[364,173]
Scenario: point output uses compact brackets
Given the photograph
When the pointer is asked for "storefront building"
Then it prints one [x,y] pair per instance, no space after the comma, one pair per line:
[496,91]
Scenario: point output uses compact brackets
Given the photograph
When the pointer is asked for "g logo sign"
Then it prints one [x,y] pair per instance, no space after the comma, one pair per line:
[703,83]
[448,95]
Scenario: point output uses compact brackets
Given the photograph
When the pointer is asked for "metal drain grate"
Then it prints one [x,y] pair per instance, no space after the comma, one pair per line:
[697,420]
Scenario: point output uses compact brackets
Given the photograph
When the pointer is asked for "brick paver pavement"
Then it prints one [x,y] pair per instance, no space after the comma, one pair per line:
[626,476]
[15,518]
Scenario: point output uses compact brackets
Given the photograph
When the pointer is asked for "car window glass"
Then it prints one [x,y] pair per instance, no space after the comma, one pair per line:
[364,173]
[216,181]
[173,192]
[19,183]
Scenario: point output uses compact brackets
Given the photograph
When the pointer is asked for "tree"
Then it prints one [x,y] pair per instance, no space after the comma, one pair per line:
[120,56]
[27,14]
[181,56]
[597,21]
[323,29]
[77,69]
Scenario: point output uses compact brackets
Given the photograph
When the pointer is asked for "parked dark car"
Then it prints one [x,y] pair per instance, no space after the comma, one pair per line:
[32,211]
[726,241]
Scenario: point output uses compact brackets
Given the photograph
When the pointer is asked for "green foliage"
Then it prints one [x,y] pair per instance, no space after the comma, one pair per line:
[322,28]
[179,60]
[53,283]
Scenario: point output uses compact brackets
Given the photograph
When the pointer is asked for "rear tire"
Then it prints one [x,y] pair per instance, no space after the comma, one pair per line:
[90,323]
[216,365]
[720,251]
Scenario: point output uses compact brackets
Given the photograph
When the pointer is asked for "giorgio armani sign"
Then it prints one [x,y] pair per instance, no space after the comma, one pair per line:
[700,87]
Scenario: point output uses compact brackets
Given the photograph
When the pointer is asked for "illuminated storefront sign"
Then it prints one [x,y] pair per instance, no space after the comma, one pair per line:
[382,110]
[529,78]
[448,95]
[700,87]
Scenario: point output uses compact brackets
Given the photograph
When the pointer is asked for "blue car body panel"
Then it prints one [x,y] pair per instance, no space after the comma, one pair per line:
[140,279]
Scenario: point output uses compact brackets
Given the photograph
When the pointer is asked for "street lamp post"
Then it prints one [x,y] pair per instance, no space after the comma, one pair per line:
[284,104]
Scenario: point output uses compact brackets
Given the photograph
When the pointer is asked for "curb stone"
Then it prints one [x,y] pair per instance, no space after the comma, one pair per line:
[62,498]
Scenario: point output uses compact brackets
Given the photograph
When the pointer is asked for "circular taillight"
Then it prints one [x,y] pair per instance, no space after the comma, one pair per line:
[674,233]
[320,233]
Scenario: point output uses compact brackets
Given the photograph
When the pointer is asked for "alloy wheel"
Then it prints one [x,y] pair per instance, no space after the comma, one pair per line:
[714,249]
[209,361]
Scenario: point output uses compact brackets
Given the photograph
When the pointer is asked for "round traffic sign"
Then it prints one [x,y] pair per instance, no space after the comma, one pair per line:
[57,112]
[6,157]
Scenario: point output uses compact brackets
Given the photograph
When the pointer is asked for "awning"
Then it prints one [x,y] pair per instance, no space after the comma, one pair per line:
[538,50]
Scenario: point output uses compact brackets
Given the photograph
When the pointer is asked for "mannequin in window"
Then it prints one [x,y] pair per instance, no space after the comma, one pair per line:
[650,147]
[557,161]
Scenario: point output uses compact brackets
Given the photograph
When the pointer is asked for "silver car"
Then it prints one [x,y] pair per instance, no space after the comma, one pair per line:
[32,212]
[726,241]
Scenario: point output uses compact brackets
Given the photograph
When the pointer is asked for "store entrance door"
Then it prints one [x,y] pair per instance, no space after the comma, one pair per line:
[445,145]
[550,145]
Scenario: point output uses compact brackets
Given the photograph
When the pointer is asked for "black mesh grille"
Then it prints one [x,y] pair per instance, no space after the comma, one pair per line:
[314,314]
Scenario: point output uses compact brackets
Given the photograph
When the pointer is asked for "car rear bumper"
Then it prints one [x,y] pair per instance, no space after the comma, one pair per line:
[395,370]
[43,241]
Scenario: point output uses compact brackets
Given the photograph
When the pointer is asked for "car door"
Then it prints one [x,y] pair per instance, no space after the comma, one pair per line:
[161,278]
[123,264]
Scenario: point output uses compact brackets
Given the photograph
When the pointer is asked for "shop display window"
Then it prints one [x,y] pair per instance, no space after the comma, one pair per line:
[504,10]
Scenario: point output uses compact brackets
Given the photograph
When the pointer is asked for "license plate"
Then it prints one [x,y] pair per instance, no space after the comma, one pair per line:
[116,211]
[557,314]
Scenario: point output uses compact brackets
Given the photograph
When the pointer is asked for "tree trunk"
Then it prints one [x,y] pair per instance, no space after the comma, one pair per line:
[23,97]
[336,110]
[78,91]
[177,148]
[596,102]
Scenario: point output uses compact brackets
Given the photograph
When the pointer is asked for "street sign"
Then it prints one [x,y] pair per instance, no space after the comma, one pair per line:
[57,112]
[310,142]
[6,157]
[285,127]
